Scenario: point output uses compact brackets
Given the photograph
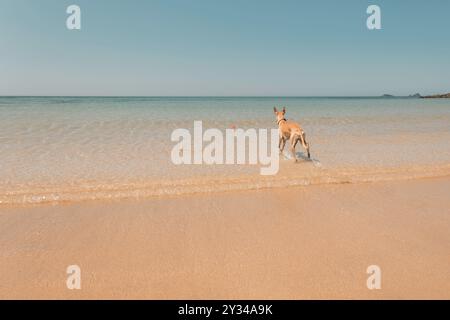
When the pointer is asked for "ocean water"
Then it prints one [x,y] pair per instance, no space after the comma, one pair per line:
[56,149]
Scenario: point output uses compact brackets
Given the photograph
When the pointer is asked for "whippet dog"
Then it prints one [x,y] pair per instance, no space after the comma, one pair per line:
[291,131]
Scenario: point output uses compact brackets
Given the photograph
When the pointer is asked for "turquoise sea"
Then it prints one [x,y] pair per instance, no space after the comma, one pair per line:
[56,149]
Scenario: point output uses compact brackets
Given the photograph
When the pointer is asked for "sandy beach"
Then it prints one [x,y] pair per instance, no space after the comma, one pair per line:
[312,242]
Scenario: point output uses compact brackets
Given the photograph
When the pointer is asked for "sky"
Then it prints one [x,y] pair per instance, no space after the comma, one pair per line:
[224,48]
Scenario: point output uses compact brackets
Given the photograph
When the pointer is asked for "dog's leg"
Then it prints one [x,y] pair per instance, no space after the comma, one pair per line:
[283,143]
[280,141]
[304,143]
[293,142]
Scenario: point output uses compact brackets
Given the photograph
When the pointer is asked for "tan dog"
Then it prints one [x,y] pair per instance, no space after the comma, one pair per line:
[290,131]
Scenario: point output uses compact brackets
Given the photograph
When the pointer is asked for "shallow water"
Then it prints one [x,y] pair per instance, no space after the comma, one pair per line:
[64,148]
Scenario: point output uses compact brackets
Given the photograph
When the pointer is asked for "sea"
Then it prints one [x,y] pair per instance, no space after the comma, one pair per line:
[65,149]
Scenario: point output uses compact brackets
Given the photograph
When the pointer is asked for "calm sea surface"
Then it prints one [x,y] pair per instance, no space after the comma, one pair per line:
[70,148]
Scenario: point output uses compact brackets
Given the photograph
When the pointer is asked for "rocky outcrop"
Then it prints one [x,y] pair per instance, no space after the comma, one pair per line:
[439,96]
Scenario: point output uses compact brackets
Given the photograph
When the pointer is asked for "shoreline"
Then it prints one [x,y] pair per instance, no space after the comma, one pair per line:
[311,242]
[310,175]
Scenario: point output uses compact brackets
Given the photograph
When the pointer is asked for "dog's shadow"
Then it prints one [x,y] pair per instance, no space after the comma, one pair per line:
[301,155]
[304,157]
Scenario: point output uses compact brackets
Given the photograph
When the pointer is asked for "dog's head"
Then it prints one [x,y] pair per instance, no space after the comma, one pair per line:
[279,114]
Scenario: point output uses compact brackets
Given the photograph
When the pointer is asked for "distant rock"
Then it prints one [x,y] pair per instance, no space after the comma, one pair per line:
[438,96]
[415,96]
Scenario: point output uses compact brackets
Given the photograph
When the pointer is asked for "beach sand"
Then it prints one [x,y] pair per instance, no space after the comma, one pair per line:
[311,242]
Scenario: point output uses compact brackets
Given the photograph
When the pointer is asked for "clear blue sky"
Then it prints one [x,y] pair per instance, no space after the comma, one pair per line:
[226,47]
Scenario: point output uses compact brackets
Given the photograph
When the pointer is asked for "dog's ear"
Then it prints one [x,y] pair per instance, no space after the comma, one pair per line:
[275,109]
[284,110]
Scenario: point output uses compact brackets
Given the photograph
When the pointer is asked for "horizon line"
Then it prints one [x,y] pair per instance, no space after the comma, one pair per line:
[209,96]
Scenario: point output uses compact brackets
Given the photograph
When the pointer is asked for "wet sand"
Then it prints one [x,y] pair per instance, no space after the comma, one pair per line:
[312,242]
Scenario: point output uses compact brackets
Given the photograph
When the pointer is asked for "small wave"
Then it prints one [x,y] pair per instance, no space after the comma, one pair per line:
[83,191]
